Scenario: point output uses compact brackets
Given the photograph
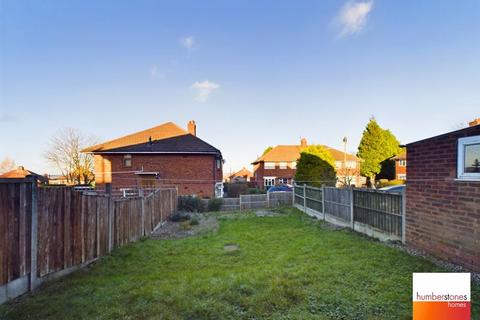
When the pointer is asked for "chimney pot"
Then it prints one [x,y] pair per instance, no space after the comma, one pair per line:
[192,127]
[475,122]
[303,142]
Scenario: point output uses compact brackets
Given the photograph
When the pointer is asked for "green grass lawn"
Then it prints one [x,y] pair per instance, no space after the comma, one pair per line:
[287,267]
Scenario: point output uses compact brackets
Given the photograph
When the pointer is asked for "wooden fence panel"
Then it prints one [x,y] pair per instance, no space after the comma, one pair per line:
[15,231]
[380,210]
[337,202]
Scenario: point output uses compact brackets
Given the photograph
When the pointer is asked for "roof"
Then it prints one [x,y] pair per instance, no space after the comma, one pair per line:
[473,129]
[163,131]
[289,153]
[186,143]
[241,173]
[21,173]
[400,156]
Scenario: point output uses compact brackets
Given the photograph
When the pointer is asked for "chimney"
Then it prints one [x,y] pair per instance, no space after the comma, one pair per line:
[303,142]
[475,122]
[192,127]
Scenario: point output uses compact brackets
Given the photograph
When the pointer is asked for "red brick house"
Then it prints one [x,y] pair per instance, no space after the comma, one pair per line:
[278,166]
[243,175]
[401,166]
[22,173]
[165,155]
[443,196]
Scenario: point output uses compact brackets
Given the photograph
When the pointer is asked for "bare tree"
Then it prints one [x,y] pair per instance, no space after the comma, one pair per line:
[7,165]
[65,154]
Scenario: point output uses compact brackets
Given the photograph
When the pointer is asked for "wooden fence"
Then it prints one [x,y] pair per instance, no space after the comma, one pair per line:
[376,213]
[255,201]
[48,232]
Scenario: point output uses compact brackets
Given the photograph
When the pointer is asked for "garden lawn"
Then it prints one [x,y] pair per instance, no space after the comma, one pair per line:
[286,267]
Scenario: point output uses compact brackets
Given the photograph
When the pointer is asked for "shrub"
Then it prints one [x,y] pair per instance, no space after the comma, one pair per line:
[179,217]
[194,222]
[386,183]
[190,204]
[254,191]
[215,204]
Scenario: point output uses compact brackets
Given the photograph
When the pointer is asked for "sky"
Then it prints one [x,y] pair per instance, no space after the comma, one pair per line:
[251,74]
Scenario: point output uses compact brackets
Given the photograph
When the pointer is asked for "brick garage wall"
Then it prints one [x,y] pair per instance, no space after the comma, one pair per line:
[192,174]
[443,214]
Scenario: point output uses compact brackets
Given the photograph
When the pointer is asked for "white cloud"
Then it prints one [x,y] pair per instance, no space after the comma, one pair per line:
[188,42]
[154,72]
[353,17]
[204,89]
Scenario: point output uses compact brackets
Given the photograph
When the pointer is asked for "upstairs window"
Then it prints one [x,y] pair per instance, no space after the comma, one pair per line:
[402,163]
[269,165]
[127,160]
[468,164]
[282,165]
[218,163]
[293,165]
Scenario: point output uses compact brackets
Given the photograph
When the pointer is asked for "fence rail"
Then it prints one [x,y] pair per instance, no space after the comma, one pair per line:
[255,201]
[376,213]
[48,232]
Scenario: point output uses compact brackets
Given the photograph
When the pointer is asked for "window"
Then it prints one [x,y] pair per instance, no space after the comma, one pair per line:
[293,165]
[127,160]
[218,163]
[269,165]
[282,180]
[401,176]
[283,165]
[402,163]
[268,181]
[468,164]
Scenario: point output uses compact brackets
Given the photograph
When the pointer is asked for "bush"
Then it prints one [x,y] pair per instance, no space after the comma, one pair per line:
[215,204]
[194,222]
[180,217]
[190,204]
[255,191]
[386,183]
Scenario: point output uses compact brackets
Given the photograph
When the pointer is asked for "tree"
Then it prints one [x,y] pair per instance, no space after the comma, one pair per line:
[65,154]
[377,144]
[315,167]
[7,165]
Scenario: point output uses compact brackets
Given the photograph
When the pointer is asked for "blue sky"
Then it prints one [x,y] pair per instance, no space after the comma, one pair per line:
[251,74]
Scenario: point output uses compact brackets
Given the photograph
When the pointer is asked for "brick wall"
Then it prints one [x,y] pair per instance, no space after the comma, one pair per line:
[192,174]
[278,173]
[443,214]
[399,169]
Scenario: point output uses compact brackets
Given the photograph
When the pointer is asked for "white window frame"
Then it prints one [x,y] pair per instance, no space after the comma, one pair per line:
[402,163]
[283,180]
[282,165]
[401,176]
[127,157]
[462,143]
[293,165]
[269,167]
[269,179]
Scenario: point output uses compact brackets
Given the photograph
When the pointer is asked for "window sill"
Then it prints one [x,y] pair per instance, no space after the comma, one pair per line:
[467,179]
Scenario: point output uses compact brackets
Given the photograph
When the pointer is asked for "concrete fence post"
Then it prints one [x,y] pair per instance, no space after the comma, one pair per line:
[323,201]
[108,191]
[268,199]
[352,217]
[240,202]
[305,198]
[142,206]
[34,238]
[404,216]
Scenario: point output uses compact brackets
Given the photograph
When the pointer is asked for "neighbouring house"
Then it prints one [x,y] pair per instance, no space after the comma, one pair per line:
[243,175]
[278,166]
[22,173]
[165,155]
[401,166]
[443,192]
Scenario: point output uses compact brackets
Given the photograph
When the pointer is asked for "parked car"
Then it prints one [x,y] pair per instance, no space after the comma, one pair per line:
[280,189]
[399,188]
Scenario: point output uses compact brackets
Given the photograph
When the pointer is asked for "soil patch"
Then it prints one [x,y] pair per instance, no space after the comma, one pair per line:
[176,230]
